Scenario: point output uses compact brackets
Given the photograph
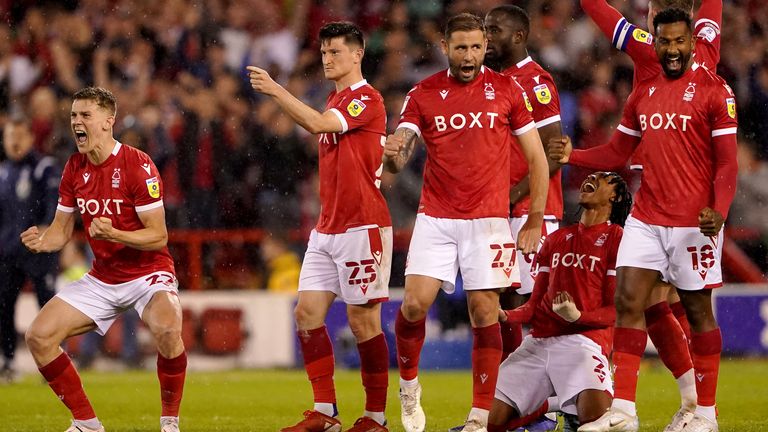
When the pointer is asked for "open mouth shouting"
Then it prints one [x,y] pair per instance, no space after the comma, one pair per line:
[81,136]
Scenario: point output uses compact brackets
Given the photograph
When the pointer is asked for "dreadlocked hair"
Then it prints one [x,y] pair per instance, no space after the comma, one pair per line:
[622,203]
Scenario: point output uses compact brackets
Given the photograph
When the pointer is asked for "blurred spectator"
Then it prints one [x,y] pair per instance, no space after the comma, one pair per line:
[28,196]
[748,218]
[283,265]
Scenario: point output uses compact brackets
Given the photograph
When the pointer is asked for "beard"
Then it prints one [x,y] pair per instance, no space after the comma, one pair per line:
[676,68]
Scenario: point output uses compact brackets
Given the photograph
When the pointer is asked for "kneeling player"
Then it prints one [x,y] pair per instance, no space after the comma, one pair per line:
[571,313]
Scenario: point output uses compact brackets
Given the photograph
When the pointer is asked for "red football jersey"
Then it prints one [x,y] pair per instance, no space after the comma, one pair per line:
[581,261]
[676,120]
[124,185]
[467,128]
[545,101]
[350,162]
[639,43]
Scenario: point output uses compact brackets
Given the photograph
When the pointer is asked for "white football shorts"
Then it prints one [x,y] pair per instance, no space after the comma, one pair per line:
[525,274]
[542,367]
[103,302]
[482,249]
[685,258]
[354,265]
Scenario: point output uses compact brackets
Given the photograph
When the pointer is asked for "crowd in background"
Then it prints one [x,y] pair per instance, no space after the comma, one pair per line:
[231,159]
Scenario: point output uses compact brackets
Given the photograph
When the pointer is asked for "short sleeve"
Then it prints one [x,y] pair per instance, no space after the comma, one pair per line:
[66,190]
[358,110]
[545,101]
[520,116]
[722,111]
[613,252]
[147,186]
[410,115]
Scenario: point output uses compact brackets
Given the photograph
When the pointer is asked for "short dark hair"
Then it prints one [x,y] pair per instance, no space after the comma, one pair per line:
[103,98]
[463,22]
[349,31]
[686,5]
[671,16]
[516,14]
[622,203]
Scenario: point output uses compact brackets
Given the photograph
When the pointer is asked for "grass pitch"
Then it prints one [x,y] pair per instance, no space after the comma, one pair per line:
[271,399]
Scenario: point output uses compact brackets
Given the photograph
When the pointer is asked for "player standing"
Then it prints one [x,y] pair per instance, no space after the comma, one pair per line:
[684,120]
[665,306]
[507,29]
[350,250]
[466,115]
[118,191]
[572,315]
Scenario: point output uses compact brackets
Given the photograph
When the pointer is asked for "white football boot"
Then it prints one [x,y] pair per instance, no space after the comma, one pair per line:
[681,418]
[614,420]
[411,412]
[169,424]
[79,428]
[700,423]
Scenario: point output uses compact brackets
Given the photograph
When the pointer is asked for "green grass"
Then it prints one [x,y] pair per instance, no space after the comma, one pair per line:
[270,399]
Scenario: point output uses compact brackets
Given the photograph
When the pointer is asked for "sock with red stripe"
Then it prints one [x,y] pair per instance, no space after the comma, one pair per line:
[409,339]
[171,373]
[317,350]
[374,368]
[511,338]
[628,348]
[706,349]
[486,354]
[528,419]
[65,382]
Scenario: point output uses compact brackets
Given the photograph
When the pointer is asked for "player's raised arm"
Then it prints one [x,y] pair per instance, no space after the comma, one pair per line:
[530,233]
[707,29]
[307,117]
[54,237]
[153,236]
[398,149]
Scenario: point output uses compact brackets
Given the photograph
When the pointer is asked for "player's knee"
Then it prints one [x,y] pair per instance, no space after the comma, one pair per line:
[306,317]
[413,310]
[166,334]
[627,303]
[38,340]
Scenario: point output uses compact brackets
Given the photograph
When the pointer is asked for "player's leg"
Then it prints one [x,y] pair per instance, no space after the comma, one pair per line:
[56,321]
[670,342]
[365,323]
[640,262]
[12,279]
[591,404]
[486,349]
[163,317]
[432,265]
[522,387]
[706,345]
[679,311]
[694,270]
[511,333]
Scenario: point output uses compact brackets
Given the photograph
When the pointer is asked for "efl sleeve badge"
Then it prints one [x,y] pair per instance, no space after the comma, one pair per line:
[356,107]
[542,94]
[153,187]
[731,103]
[642,36]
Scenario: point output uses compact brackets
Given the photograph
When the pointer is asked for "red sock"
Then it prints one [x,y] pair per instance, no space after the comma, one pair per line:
[669,339]
[679,311]
[486,354]
[374,368]
[628,348]
[171,373]
[409,340]
[319,363]
[525,420]
[65,382]
[706,349]
[511,338]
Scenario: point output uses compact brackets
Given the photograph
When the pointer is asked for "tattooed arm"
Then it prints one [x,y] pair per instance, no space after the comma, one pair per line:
[398,149]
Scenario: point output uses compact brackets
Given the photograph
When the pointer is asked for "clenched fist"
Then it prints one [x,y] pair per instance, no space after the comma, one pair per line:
[261,81]
[559,149]
[31,239]
[564,306]
[101,229]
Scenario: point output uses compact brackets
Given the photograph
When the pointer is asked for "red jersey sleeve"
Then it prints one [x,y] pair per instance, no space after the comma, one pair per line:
[358,109]
[146,185]
[722,112]
[521,116]
[623,35]
[66,190]
[410,115]
[524,313]
[545,101]
[707,31]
